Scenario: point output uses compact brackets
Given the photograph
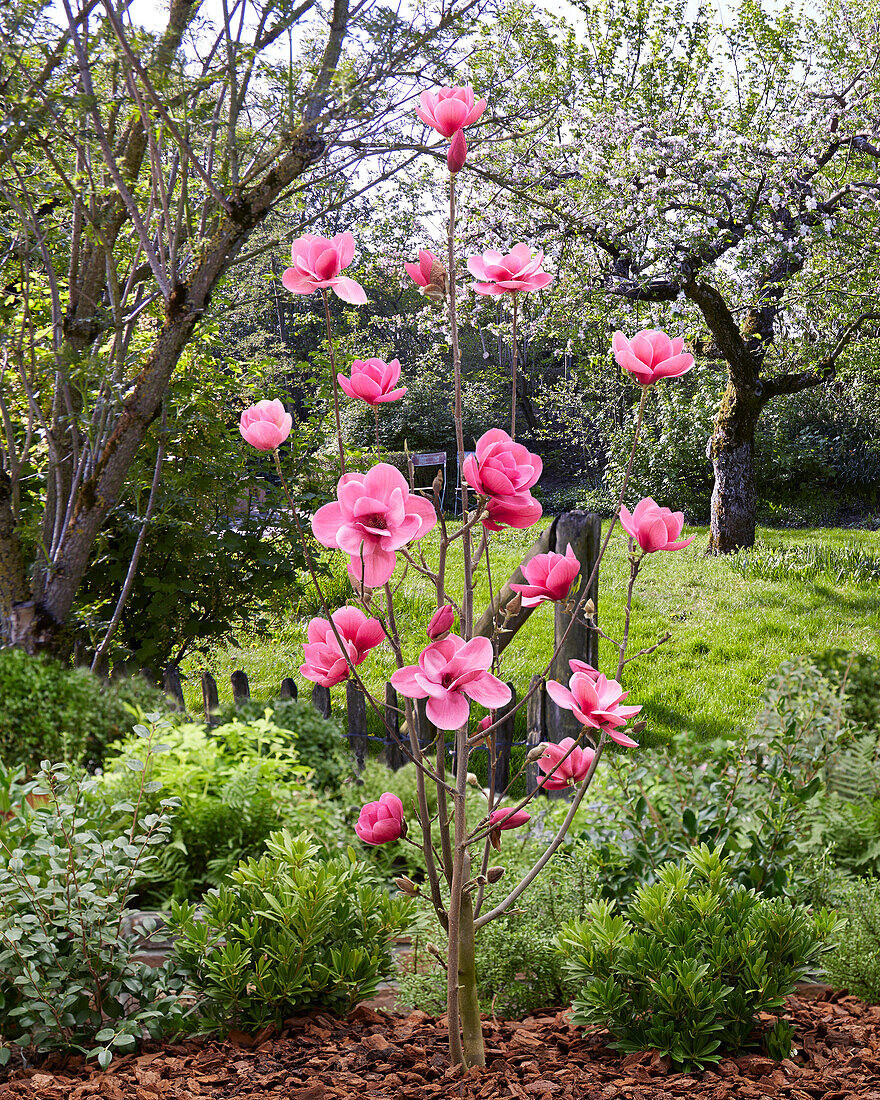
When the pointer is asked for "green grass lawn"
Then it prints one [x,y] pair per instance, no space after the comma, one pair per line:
[729,632]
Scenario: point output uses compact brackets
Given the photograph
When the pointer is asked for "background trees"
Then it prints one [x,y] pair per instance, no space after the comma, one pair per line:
[727,179]
[135,169]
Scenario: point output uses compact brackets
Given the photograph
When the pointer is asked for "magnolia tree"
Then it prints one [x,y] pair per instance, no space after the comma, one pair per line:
[379,523]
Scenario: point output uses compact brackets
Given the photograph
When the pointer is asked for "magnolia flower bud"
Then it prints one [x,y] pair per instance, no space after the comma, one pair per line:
[640,727]
[494,874]
[436,287]
[483,725]
[406,886]
[535,754]
[457,154]
[513,607]
[472,779]
[441,622]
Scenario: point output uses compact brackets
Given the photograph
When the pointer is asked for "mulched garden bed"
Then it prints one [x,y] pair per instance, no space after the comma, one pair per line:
[397,1057]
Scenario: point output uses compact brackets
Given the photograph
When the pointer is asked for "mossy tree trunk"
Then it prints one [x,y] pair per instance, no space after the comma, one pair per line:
[732,450]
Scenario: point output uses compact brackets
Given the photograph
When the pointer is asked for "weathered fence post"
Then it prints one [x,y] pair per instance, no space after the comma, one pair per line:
[503,740]
[241,688]
[535,730]
[172,687]
[210,698]
[321,700]
[288,688]
[581,531]
[393,755]
[356,705]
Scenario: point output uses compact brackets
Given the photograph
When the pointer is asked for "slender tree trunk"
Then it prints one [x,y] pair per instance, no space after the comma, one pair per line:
[732,450]
[468,999]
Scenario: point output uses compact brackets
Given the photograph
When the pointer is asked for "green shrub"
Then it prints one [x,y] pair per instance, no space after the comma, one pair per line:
[859,676]
[49,712]
[855,962]
[519,967]
[287,933]
[68,979]
[846,821]
[751,795]
[691,962]
[236,783]
[847,818]
[319,742]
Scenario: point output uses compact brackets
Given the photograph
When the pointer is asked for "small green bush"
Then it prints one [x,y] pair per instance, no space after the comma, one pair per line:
[235,783]
[691,962]
[287,933]
[752,795]
[49,712]
[855,963]
[319,742]
[68,978]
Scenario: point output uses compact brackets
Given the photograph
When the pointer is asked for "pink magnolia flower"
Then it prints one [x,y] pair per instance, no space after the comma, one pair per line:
[317,262]
[441,622]
[449,109]
[550,577]
[513,821]
[499,467]
[265,425]
[382,821]
[518,270]
[449,673]
[595,703]
[504,472]
[429,275]
[373,381]
[573,769]
[457,153]
[651,355]
[324,660]
[484,723]
[654,528]
[374,515]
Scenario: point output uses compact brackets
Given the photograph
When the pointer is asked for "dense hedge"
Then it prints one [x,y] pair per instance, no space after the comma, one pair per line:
[51,712]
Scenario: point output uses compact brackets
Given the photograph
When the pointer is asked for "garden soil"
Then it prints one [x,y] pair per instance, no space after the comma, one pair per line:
[388,1056]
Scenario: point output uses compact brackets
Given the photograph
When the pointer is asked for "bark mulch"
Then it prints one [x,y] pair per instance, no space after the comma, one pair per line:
[397,1057]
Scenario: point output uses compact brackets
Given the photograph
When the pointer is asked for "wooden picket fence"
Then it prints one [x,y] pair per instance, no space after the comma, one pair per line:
[545,721]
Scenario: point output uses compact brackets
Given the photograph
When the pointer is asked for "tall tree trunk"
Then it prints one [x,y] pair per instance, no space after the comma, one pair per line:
[732,450]
[13,581]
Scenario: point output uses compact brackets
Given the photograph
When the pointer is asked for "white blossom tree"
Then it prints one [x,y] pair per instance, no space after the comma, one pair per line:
[731,175]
